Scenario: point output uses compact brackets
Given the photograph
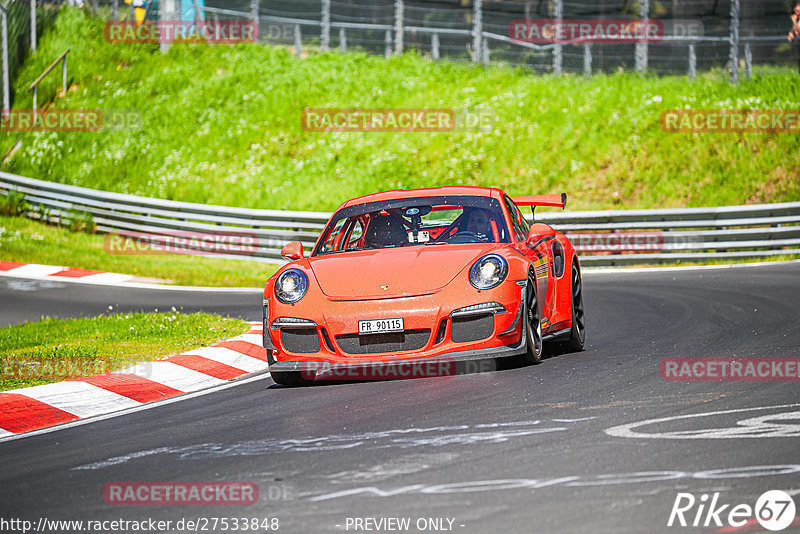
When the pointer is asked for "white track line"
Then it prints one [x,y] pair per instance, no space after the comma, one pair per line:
[623,270]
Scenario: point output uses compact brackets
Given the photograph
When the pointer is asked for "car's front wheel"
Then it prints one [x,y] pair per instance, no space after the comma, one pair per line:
[532,323]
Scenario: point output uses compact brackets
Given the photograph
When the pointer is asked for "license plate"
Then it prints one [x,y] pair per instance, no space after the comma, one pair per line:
[380,326]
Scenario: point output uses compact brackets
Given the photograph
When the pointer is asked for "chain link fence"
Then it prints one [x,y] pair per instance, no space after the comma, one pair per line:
[695,35]
[690,36]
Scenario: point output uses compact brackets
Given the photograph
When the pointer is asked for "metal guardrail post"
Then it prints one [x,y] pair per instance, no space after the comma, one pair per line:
[133,13]
[115,10]
[4,30]
[435,46]
[587,59]
[399,9]
[734,42]
[692,61]
[558,57]
[33,25]
[485,52]
[387,52]
[325,29]
[642,47]
[477,30]
[342,40]
[167,16]
[298,40]
[748,61]
[254,15]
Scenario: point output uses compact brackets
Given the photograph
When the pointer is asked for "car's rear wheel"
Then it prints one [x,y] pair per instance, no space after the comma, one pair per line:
[532,323]
[288,378]
[577,335]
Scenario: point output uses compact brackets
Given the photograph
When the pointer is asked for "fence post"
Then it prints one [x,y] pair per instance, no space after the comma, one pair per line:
[485,52]
[558,58]
[6,94]
[692,61]
[133,14]
[748,61]
[298,40]
[587,59]
[398,26]
[642,47]
[435,46]
[734,38]
[115,10]
[388,44]
[255,17]
[342,40]
[477,30]
[168,10]
[325,37]
[33,25]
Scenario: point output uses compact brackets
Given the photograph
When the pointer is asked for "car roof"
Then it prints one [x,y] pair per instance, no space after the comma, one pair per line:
[448,190]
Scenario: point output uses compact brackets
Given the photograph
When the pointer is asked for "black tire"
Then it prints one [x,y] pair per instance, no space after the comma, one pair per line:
[532,323]
[577,335]
[288,378]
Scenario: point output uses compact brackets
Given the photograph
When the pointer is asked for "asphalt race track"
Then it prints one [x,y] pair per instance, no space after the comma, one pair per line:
[552,448]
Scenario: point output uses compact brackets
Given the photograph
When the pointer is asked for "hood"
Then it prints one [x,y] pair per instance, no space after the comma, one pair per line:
[394,272]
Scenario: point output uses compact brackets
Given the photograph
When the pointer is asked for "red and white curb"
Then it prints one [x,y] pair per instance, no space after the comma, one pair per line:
[35,271]
[28,409]
[51,272]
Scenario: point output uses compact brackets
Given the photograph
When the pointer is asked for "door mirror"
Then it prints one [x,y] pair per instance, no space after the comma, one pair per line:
[292,251]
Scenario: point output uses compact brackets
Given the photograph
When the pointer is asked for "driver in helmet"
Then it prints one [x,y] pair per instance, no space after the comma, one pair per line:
[478,222]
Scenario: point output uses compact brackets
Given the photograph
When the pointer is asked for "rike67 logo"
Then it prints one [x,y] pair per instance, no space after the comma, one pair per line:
[774,510]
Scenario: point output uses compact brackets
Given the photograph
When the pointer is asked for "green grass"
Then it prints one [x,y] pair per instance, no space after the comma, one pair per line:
[221,125]
[52,350]
[28,241]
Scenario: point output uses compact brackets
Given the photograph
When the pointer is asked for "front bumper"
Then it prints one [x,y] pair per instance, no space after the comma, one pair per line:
[432,331]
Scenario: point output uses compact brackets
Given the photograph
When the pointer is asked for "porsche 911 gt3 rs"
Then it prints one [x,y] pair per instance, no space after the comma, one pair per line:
[448,274]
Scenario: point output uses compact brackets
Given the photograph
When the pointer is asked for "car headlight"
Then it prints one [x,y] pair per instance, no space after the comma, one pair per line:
[488,271]
[291,285]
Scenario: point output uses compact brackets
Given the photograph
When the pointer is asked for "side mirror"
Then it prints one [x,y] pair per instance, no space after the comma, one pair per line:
[292,251]
[539,233]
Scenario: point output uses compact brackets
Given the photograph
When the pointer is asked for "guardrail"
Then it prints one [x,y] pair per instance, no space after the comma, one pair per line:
[603,238]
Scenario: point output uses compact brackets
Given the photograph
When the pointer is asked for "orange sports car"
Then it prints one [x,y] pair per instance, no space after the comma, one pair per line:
[419,280]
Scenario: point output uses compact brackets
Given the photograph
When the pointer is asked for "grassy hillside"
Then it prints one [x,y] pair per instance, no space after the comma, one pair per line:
[221,124]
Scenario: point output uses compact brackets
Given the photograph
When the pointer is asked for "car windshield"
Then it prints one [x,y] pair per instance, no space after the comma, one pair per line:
[423,221]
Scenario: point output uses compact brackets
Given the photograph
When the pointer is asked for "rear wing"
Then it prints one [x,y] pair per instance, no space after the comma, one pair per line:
[558,201]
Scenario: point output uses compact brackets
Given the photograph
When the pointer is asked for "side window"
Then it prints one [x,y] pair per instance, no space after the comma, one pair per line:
[517,220]
[355,234]
[522,222]
[333,236]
